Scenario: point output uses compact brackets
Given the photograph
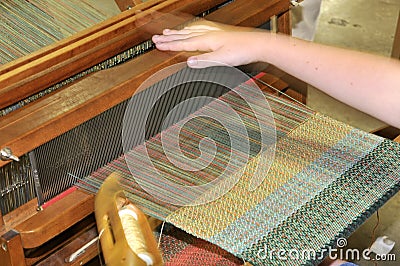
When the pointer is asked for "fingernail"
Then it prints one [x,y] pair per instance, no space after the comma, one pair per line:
[192,61]
[167,30]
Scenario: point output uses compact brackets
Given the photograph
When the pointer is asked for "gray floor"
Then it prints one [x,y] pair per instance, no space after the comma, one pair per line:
[367,25]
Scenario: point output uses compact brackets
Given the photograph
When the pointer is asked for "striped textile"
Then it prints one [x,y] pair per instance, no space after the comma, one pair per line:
[27,26]
[325,179]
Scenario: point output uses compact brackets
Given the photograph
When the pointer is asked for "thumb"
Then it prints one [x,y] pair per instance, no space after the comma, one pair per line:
[207,60]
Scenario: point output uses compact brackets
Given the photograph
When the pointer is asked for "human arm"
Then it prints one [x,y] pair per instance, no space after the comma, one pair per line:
[367,82]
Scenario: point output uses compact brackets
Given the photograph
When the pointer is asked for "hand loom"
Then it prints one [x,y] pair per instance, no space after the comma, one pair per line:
[324,180]
[72,82]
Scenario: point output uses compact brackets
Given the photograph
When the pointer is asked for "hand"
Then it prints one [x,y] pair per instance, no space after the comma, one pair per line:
[226,45]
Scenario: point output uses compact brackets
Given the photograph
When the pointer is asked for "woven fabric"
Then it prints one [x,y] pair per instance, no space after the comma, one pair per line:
[326,178]
[27,26]
[312,196]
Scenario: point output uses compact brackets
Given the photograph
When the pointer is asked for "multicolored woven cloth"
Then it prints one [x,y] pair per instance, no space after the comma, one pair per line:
[326,179]
[328,184]
[27,26]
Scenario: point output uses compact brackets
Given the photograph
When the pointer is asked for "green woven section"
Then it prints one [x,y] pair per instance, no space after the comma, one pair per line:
[335,212]
[27,26]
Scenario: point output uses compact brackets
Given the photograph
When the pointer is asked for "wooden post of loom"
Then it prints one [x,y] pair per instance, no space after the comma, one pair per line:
[11,252]
[284,23]
[396,42]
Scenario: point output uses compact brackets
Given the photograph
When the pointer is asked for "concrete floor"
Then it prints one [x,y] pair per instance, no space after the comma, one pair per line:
[367,25]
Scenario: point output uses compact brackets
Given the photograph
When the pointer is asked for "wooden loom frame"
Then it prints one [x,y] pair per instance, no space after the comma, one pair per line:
[23,130]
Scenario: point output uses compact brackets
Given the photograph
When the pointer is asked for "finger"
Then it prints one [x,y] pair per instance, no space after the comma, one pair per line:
[182,32]
[176,37]
[179,45]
